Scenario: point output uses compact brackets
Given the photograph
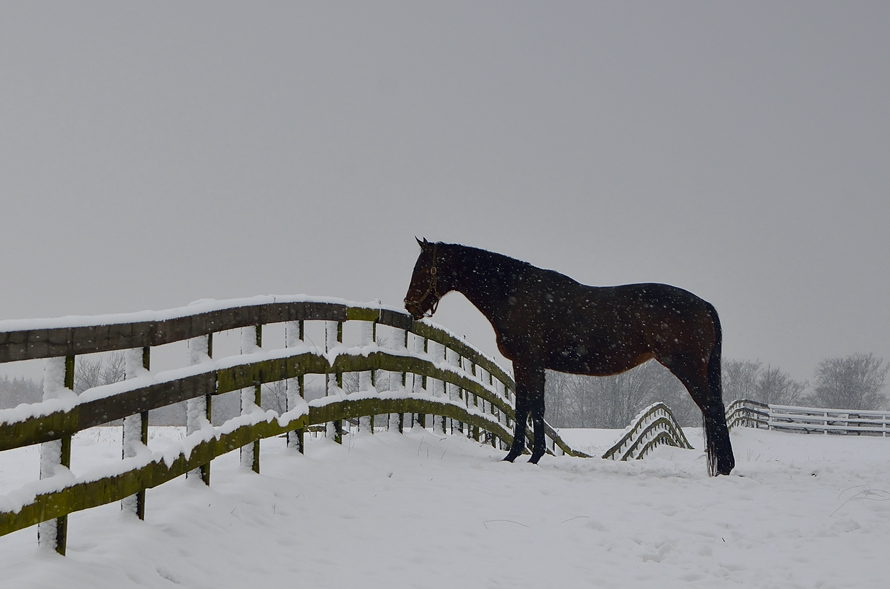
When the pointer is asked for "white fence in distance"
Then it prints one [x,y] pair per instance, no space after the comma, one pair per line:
[809,419]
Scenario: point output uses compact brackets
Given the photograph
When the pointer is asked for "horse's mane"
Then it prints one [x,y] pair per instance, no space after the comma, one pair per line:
[478,253]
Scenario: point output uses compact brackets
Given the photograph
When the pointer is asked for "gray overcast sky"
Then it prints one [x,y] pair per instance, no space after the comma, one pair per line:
[156,153]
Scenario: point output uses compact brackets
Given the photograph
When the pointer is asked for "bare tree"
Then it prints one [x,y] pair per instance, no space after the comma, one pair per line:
[14,391]
[612,401]
[748,379]
[87,374]
[274,396]
[93,373]
[775,387]
[850,382]
[558,401]
[740,379]
[115,369]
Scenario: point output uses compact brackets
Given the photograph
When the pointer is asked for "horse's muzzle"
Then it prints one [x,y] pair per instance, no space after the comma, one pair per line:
[413,307]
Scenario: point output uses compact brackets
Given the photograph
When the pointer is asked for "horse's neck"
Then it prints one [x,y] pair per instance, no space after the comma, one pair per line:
[479,279]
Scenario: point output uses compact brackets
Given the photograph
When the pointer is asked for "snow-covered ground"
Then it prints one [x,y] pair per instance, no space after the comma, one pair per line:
[425,510]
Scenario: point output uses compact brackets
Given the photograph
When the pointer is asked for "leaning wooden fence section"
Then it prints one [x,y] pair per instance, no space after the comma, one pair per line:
[441,376]
[652,427]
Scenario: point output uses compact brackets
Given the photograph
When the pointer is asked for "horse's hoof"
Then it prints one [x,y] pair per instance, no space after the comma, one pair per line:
[510,457]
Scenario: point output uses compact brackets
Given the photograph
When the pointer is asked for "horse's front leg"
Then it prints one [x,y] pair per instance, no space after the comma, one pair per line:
[519,429]
[529,397]
[536,406]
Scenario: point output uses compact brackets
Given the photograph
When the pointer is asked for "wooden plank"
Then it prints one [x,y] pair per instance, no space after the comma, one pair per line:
[87,339]
[66,341]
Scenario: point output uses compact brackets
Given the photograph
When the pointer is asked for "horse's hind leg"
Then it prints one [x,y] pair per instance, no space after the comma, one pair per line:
[703,383]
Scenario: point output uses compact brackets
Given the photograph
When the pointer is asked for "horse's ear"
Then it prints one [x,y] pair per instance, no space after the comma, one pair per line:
[424,245]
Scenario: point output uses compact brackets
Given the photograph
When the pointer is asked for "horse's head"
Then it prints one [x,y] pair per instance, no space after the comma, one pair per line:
[425,291]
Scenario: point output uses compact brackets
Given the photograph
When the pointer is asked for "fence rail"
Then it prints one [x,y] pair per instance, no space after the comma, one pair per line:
[441,376]
[652,427]
[809,419]
[746,413]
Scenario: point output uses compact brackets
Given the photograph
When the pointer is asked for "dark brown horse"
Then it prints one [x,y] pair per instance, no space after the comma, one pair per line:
[545,320]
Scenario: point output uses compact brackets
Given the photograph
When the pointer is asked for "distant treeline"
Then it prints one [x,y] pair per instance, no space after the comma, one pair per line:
[15,391]
[849,382]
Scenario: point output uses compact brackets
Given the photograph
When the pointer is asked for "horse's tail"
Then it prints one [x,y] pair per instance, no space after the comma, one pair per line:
[719,448]
[715,380]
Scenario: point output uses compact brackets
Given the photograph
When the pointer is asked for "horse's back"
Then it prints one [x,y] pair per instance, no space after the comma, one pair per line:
[606,330]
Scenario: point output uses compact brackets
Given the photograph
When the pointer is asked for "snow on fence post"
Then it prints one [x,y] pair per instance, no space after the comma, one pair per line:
[135,428]
[251,341]
[294,387]
[450,389]
[55,456]
[420,348]
[457,392]
[199,410]
[399,341]
[499,389]
[475,428]
[333,335]
[494,410]
[367,336]
[437,387]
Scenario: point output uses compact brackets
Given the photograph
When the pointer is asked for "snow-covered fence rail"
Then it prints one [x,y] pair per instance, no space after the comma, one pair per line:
[808,419]
[652,427]
[830,421]
[743,412]
[439,375]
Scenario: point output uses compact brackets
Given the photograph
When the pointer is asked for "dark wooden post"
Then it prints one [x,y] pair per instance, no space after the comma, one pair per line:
[251,340]
[295,387]
[135,428]
[366,378]
[58,382]
[333,335]
[199,410]
[419,383]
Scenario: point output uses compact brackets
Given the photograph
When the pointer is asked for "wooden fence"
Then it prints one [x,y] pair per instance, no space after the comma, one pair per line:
[745,413]
[442,381]
[809,419]
[652,427]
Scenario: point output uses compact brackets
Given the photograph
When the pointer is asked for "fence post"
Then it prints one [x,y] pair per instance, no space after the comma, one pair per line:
[419,382]
[497,415]
[199,410]
[294,387]
[437,387]
[475,401]
[367,333]
[399,342]
[462,396]
[135,428]
[251,340]
[333,335]
[55,456]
